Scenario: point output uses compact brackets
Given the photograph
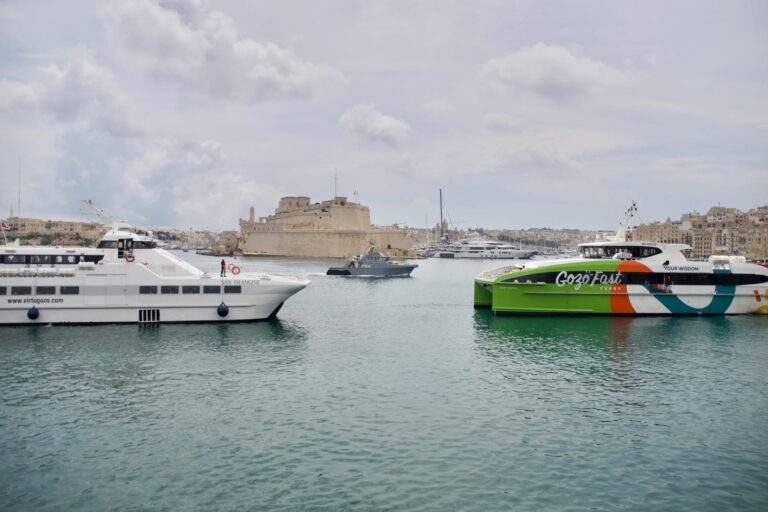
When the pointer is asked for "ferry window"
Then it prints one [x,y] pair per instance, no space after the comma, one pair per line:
[21,290]
[645,252]
[545,277]
[3,290]
[147,290]
[739,279]
[67,260]
[45,290]
[592,252]
[752,279]
[92,259]
[15,259]
[107,244]
[69,290]
[40,259]
[144,245]
[190,289]
[169,289]
[211,289]
[233,289]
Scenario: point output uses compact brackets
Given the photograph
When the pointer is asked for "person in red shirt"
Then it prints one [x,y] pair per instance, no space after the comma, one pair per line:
[223,268]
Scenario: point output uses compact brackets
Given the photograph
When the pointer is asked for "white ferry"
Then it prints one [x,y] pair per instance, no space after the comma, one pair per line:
[487,249]
[128,279]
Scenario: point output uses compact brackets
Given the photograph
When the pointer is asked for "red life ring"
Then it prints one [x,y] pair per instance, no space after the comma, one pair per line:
[130,258]
[235,269]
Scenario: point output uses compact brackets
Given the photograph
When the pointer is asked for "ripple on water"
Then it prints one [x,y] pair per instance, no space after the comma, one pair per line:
[387,395]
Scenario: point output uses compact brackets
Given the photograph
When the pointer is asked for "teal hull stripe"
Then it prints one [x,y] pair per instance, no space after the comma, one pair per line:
[721,301]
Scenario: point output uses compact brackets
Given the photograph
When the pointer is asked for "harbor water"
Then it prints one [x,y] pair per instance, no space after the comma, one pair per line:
[387,394]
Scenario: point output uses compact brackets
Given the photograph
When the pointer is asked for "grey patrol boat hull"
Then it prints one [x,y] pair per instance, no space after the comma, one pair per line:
[373,264]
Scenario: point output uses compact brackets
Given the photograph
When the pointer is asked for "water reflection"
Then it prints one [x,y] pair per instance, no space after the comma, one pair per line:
[627,351]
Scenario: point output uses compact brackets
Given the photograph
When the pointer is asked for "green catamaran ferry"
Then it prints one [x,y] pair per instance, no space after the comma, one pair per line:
[627,278]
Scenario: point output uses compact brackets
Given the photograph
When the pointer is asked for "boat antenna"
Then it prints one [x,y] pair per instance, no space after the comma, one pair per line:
[623,232]
[91,209]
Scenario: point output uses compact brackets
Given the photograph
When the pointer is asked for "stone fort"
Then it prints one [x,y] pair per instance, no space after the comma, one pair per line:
[336,228]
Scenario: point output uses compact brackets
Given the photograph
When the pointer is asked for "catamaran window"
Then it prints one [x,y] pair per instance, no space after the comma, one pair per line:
[545,277]
[143,245]
[45,290]
[69,290]
[593,252]
[147,290]
[211,289]
[107,244]
[167,290]
[190,289]
[645,252]
[40,259]
[21,290]
[67,260]
[91,259]
[3,290]
[233,289]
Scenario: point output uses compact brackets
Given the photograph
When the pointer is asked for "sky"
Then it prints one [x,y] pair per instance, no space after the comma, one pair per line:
[185,113]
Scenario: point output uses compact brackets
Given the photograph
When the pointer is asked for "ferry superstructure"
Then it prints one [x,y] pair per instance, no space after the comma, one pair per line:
[128,279]
[627,278]
[486,249]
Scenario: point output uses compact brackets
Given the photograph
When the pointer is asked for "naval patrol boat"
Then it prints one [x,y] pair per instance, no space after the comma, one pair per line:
[373,264]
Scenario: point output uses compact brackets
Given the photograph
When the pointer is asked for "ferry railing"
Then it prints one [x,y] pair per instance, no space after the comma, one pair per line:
[250,268]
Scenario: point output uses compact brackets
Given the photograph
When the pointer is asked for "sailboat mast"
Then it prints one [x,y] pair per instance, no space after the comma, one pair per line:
[19,213]
[441,214]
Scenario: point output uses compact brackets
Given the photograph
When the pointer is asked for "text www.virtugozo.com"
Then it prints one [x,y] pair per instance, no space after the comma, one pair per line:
[33,300]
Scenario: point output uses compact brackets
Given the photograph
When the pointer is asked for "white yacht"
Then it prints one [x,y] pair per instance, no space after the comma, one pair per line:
[128,279]
[483,249]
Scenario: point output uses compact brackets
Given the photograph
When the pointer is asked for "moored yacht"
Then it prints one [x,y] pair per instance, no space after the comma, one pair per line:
[128,279]
[486,249]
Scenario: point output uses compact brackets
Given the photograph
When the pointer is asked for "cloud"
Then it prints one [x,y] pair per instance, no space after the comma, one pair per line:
[551,71]
[77,91]
[503,123]
[190,45]
[371,124]
[152,181]
[536,161]
[108,154]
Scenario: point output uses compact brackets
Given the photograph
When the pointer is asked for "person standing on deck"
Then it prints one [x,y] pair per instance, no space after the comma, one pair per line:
[223,268]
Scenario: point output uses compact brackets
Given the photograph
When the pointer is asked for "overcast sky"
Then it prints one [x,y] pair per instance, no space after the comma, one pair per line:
[526,113]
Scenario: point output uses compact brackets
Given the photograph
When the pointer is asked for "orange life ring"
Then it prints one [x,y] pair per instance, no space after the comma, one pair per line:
[130,258]
[235,269]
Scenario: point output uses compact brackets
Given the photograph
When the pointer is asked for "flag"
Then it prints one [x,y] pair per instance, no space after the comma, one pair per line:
[4,226]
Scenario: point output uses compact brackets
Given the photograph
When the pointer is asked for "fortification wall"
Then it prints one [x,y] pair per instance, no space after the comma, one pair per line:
[324,244]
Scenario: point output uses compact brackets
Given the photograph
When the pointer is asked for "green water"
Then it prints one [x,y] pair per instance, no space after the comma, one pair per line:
[373,394]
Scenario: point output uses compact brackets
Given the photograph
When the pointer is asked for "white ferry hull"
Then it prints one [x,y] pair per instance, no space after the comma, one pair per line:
[257,302]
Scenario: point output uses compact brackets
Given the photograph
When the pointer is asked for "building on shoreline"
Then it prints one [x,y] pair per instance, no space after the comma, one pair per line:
[336,228]
[53,232]
[719,231]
